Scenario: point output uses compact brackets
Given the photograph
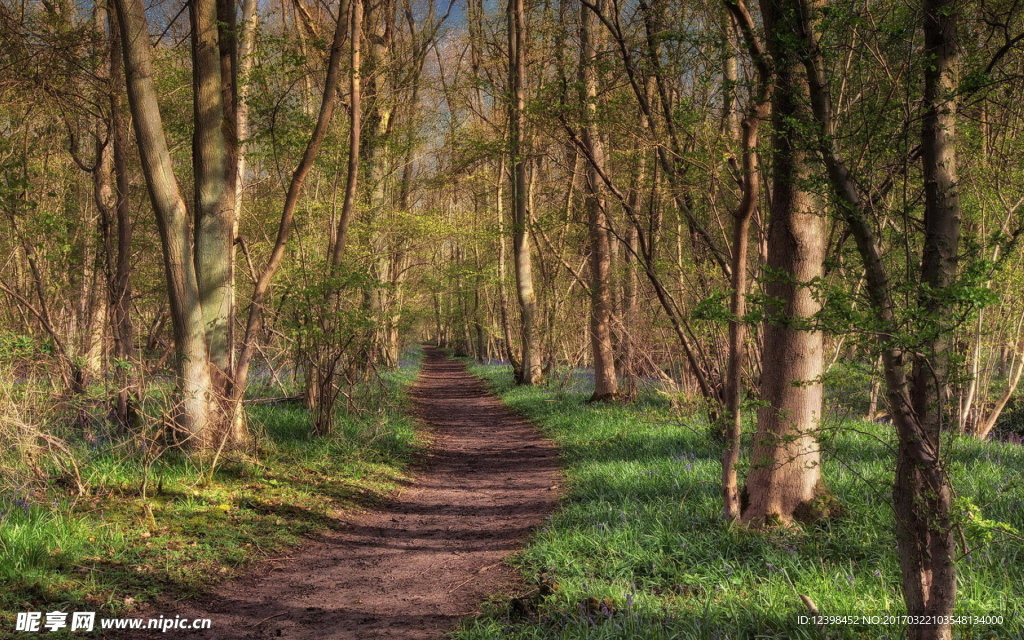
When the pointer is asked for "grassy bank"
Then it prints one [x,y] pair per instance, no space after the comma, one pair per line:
[640,527]
[111,549]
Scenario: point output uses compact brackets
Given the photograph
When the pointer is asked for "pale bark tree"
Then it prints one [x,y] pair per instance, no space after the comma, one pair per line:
[530,368]
[337,252]
[191,361]
[785,471]
[213,191]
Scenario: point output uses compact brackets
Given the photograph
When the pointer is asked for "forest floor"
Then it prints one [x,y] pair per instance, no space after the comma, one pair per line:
[413,566]
[638,549]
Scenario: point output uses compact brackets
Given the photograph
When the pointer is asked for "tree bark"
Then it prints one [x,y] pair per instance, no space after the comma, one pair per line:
[194,383]
[921,493]
[784,468]
[606,384]
[112,202]
[747,131]
[214,191]
[530,372]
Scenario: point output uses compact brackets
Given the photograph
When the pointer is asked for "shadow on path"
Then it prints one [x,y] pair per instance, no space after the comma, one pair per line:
[409,568]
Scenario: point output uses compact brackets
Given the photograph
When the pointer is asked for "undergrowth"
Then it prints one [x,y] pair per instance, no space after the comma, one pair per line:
[111,549]
[639,549]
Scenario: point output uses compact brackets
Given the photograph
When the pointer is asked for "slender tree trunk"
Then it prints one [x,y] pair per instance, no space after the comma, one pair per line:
[746,133]
[298,180]
[506,325]
[630,307]
[354,132]
[194,383]
[111,190]
[921,493]
[246,46]
[240,69]
[733,414]
[323,374]
[530,372]
[875,390]
[606,383]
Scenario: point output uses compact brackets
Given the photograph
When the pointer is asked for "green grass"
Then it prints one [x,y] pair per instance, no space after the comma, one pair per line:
[101,552]
[641,525]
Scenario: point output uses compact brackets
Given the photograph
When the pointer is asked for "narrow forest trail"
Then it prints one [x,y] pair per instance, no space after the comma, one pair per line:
[410,568]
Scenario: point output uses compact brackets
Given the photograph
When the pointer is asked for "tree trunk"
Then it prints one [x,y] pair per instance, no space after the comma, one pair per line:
[506,325]
[112,202]
[746,132]
[214,192]
[606,385]
[630,296]
[355,130]
[874,391]
[921,493]
[194,384]
[530,372]
[324,372]
[785,476]
[291,201]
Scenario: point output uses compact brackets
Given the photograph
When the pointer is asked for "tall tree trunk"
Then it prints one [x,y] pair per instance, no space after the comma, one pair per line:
[785,469]
[322,374]
[376,164]
[922,495]
[112,202]
[240,68]
[194,383]
[530,372]
[213,209]
[354,132]
[246,46]
[605,382]
[746,132]
[506,325]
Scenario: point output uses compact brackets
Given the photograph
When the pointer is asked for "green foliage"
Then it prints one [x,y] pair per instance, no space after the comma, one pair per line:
[18,347]
[979,529]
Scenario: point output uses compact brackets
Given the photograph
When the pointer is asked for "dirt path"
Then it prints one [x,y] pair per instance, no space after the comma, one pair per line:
[411,568]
